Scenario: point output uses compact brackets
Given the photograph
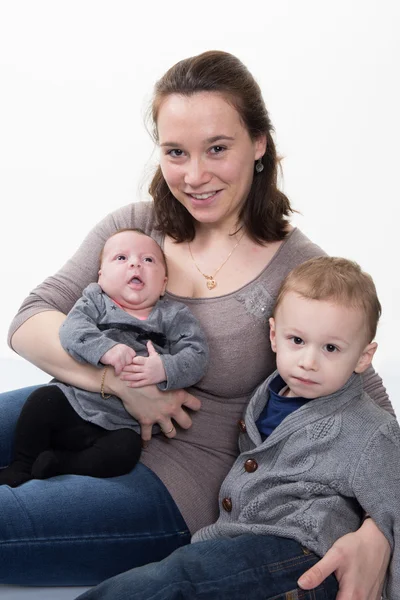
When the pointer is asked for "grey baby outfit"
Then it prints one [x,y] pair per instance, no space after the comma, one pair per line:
[95,324]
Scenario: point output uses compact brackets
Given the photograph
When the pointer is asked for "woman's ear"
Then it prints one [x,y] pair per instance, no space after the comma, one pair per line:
[260,147]
[366,358]
[272,333]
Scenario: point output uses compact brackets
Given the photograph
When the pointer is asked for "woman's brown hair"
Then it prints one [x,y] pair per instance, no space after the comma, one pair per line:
[264,213]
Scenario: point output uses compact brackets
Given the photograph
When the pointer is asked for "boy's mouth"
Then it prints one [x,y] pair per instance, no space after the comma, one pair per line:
[305,380]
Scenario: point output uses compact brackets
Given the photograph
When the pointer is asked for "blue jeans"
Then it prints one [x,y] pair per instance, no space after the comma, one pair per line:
[74,530]
[249,566]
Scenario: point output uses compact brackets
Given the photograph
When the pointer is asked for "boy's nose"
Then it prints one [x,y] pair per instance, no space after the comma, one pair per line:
[308,360]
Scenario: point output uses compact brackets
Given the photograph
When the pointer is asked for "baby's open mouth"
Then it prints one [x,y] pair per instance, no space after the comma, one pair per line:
[136,280]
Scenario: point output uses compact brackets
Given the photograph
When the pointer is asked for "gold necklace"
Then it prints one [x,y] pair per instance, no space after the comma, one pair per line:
[211,283]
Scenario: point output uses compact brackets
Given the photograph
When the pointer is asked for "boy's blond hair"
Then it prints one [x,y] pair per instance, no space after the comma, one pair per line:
[338,280]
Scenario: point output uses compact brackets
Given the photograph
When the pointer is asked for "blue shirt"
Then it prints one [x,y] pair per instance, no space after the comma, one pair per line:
[277,407]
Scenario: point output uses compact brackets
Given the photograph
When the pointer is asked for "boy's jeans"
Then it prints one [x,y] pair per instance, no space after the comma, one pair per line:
[248,567]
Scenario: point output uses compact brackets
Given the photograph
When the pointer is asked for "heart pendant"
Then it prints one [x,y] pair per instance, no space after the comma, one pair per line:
[211,283]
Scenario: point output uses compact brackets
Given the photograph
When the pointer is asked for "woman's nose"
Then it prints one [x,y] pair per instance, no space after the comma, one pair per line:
[196,173]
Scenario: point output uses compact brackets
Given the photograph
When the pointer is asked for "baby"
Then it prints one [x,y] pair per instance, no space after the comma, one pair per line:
[316,455]
[121,320]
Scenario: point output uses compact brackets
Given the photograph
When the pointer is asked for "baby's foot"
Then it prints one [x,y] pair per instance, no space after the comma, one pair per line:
[13,477]
[46,465]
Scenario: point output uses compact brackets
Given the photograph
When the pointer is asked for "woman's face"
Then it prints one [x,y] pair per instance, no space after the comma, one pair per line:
[207,156]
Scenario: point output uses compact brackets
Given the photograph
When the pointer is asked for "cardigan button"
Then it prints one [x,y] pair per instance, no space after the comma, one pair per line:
[250,465]
[227,504]
[242,426]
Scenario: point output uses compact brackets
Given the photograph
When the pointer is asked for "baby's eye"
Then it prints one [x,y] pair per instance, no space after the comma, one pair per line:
[148,259]
[331,348]
[297,340]
[120,257]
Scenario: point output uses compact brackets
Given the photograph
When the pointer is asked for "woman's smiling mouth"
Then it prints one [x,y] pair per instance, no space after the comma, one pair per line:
[203,199]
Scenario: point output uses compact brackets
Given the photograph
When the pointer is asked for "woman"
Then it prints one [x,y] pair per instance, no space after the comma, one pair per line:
[224,227]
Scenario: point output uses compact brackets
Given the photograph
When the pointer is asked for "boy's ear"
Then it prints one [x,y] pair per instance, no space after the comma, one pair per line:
[366,358]
[272,333]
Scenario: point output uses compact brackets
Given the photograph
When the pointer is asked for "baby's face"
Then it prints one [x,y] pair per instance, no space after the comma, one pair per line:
[132,271]
[318,345]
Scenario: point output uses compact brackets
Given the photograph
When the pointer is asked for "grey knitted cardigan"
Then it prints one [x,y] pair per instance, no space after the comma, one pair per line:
[324,463]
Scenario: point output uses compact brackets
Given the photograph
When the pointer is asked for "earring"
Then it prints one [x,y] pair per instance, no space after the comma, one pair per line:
[259,166]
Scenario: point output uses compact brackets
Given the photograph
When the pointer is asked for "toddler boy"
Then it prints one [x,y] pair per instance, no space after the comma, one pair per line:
[120,321]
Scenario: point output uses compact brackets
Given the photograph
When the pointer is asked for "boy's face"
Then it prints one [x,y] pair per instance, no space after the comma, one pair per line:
[132,271]
[318,345]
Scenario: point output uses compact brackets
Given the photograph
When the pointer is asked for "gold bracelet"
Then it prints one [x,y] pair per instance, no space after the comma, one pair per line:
[103,378]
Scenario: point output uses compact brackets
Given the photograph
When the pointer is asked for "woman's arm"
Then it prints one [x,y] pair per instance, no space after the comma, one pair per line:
[37,340]
[359,561]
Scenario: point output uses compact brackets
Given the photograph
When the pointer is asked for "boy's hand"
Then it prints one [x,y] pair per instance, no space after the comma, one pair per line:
[118,357]
[147,370]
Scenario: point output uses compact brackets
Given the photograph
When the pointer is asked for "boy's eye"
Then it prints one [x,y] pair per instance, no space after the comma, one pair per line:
[148,259]
[297,340]
[217,149]
[121,257]
[330,348]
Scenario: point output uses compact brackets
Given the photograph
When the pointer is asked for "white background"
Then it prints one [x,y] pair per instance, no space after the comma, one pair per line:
[75,81]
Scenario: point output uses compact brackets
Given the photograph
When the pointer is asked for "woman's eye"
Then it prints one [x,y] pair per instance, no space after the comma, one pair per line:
[297,340]
[175,153]
[331,348]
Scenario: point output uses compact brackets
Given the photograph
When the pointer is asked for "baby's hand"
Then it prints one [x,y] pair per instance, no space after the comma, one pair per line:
[147,370]
[119,356]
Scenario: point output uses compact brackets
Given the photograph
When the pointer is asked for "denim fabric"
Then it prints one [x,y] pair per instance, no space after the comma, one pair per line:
[73,530]
[247,567]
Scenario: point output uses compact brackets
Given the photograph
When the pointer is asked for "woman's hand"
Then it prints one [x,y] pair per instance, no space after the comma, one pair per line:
[148,405]
[359,561]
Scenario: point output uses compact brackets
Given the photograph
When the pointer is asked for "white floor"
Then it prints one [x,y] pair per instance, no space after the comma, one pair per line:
[13,592]
[16,373]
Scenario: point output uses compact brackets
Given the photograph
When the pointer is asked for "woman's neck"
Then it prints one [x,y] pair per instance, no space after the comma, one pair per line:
[207,234]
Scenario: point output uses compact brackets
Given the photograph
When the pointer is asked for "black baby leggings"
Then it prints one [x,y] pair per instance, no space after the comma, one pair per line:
[52,439]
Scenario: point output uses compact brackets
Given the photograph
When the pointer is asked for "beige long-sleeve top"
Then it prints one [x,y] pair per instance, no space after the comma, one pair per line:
[194,463]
